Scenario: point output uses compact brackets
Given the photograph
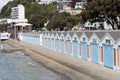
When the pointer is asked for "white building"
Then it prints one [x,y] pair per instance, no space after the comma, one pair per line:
[19,22]
[45,1]
[18,12]
[63,1]
[104,24]
[5,21]
[79,5]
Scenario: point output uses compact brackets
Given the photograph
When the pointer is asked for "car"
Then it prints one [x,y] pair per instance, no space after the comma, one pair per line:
[4,35]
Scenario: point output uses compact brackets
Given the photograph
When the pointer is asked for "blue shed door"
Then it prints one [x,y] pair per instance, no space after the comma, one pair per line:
[43,41]
[53,44]
[108,55]
[62,45]
[48,43]
[30,40]
[33,40]
[94,52]
[68,47]
[24,38]
[57,44]
[84,50]
[38,41]
[75,48]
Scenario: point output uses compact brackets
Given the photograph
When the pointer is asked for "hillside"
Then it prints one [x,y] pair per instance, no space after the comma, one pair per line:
[35,13]
[31,8]
[38,14]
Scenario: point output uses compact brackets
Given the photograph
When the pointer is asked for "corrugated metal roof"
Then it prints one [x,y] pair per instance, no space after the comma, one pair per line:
[115,34]
[71,33]
[64,33]
[59,33]
[79,34]
[100,33]
[88,34]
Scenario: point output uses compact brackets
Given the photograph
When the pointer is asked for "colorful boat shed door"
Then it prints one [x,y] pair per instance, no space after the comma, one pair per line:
[53,43]
[48,43]
[84,50]
[43,42]
[108,55]
[75,47]
[62,45]
[94,52]
[68,46]
[57,40]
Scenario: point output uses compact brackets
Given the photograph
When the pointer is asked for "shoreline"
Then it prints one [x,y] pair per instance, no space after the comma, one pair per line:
[73,68]
[62,75]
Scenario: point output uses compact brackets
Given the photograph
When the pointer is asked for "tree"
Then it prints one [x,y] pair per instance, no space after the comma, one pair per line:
[102,10]
[3,27]
[31,8]
[62,20]
[38,21]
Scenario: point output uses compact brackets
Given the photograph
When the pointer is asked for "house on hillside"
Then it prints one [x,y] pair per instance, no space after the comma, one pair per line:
[64,4]
[79,5]
[45,1]
[97,25]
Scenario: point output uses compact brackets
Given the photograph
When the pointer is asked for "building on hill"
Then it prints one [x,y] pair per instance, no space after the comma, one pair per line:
[79,5]
[19,22]
[45,1]
[18,12]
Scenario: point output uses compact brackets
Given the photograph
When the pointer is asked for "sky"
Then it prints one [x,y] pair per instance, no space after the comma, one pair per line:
[3,2]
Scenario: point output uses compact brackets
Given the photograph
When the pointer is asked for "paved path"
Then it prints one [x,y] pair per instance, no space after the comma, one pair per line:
[75,68]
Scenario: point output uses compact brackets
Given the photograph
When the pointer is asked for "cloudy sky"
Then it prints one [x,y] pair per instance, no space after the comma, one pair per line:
[3,2]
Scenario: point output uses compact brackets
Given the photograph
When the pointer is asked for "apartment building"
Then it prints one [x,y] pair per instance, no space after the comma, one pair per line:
[18,12]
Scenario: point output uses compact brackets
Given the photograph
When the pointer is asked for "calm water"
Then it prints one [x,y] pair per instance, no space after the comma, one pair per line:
[17,66]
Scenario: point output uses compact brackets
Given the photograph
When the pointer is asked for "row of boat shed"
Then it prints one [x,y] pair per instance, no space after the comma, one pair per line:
[100,47]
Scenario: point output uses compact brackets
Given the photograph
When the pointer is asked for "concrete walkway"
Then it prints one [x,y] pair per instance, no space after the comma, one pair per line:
[75,68]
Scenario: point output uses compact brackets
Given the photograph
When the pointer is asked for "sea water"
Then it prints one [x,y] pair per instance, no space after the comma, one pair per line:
[17,66]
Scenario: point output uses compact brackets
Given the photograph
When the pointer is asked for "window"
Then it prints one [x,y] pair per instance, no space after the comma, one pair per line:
[108,42]
[94,40]
[95,25]
[75,38]
[83,39]
[62,37]
[68,38]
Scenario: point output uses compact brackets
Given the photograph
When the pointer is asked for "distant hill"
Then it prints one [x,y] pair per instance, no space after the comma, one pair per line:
[37,14]
[31,8]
